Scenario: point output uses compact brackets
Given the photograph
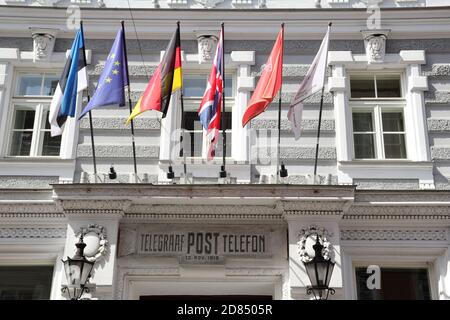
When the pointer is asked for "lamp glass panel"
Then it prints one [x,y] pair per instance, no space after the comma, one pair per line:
[73,271]
[311,271]
[330,272]
[87,267]
[322,268]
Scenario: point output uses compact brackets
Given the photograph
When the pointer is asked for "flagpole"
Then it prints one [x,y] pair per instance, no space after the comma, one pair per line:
[320,113]
[129,98]
[183,119]
[90,114]
[279,107]
[223,172]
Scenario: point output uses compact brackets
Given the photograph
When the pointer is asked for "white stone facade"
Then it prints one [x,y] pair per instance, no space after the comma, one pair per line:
[393,213]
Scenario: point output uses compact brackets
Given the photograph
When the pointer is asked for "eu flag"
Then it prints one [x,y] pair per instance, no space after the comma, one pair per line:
[110,87]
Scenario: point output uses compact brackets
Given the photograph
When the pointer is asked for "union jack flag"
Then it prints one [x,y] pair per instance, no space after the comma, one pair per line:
[210,107]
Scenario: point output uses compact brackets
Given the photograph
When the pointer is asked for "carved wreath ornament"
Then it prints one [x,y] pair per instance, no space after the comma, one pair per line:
[313,231]
[100,246]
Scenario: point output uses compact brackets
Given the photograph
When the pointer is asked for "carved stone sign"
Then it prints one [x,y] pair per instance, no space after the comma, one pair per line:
[194,245]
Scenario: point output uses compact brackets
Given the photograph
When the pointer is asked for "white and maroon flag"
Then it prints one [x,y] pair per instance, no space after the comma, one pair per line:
[313,82]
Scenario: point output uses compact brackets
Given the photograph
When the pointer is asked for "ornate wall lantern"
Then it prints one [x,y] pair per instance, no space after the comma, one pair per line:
[319,271]
[319,267]
[78,271]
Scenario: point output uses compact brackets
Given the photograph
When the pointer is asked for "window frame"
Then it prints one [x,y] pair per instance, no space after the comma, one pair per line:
[41,104]
[378,106]
[192,104]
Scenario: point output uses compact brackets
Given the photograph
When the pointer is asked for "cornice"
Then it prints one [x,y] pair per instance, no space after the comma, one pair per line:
[107,191]
[305,23]
[205,218]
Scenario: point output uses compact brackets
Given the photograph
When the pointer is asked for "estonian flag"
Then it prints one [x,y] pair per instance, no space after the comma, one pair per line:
[72,81]
[113,79]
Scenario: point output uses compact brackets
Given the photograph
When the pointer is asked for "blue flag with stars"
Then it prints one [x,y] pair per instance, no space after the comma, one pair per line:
[110,87]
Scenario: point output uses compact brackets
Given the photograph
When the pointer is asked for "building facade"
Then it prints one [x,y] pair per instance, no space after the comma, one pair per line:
[381,199]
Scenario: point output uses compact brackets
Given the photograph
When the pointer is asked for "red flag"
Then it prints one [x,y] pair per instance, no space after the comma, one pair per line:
[269,83]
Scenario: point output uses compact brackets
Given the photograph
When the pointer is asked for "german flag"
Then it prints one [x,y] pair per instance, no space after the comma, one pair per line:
[166,80]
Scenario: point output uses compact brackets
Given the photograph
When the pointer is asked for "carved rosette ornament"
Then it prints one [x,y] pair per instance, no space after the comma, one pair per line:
[97,245]
[375,44]
[206,47]
[43,42]
[311,233]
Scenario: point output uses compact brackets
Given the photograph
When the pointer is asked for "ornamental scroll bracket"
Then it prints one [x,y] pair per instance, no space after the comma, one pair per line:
[307,237]
[375,44]
[43,42]
[206,46]
[97,245]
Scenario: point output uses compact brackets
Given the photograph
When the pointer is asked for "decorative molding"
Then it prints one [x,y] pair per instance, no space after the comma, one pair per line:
[43,41]
[436,97]
[119,123]
[209,4]
[375,44]
[48,2]
[88,205]
[206,47]
[258,271]
[32,233]
[387,184]
[93,211]
[135,70]
[127,241]
[307,125]
[333,207]
[314,212]
[393,210]
[427,217]
[138,272]
[394,235]
[312,230]
[438,125]
[325,153]
[200,210]
[27,181]
[117,151]
[440,153]
[205,217]
[30,209]
[100,233]
[438,71]
[30,216]
[177,3]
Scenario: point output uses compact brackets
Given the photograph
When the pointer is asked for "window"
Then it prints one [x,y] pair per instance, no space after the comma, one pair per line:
[378,118]
[395,284]
[25,283]
[193,90]
[30,129]
[375,86]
